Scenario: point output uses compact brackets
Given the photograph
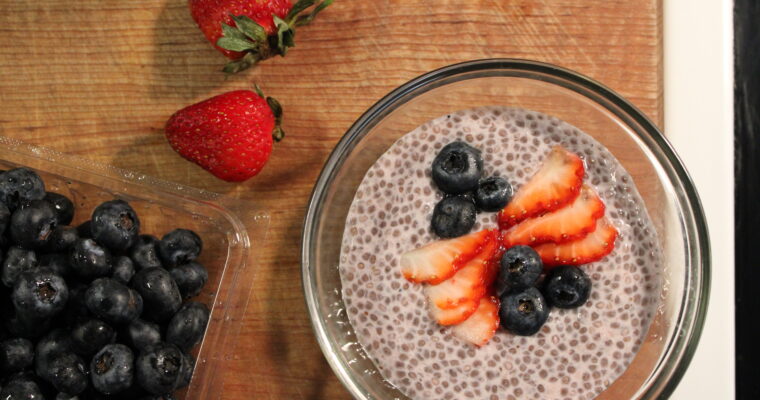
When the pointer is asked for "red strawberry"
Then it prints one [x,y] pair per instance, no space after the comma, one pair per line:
[557,183]
[438,261]
[248,31]
[574,221]
[480,327]
[229,135]
[468,283]
[593,247]
[455,315]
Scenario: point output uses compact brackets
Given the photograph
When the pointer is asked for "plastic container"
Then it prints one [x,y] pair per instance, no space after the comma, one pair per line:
[229,232]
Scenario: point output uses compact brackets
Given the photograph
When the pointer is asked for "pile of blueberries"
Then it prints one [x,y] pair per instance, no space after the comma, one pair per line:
[526,299]
[94,311]
[457,171]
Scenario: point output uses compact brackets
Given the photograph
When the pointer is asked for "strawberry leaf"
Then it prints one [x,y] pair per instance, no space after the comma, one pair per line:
[250,28]
[285,35]
[232,32]
[306,19]
[278,134]
[236,66]
[298,8]
[233,44]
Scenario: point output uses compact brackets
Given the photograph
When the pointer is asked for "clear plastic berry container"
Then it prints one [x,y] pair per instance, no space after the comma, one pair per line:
[668,195]
[230,231]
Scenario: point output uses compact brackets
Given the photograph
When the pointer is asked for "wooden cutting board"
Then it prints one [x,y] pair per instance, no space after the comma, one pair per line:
[99,78]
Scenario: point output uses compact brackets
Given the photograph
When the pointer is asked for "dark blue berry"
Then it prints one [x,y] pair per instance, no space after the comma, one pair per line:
[17,260]
[112,369]
[123,270]
[62,239]
[457,168]
[85,229]
[190,278]
[32,226]
[64,207]
[113,302]
[89,336]
[21,389]
[159,369]
[187,326]
[41,293]
[141,334]
[453,217]
[186,374]
[144,252]
[567,286]
[89,260]
[20,185]
[523,313]
[16,355]
[493,194]
[520,268]
[115,225]
[160,293]
[51,346]
[179,246]
[5,217]
[67,373]
[57,262]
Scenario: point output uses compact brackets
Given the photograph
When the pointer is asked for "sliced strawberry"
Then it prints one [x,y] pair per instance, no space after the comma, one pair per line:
[593,247]
[469,282]
[480,327]
[574,221]
[557,183]
[454,315]
[438,261]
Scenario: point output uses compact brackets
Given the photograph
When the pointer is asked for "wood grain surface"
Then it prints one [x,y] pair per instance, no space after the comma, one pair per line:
[99,78]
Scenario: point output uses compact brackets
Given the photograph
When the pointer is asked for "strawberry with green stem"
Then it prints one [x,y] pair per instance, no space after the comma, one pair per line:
[248,31]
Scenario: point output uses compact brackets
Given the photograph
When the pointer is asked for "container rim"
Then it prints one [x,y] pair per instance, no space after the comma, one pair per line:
[693,307]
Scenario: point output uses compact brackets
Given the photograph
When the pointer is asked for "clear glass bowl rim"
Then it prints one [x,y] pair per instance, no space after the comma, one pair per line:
[691,316]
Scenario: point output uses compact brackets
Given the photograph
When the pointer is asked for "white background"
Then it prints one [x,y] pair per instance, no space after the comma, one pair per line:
[699,123]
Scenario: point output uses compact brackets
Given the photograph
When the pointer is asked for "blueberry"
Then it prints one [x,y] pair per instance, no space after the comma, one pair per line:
[54,344]
[141,334]
[113,302]
[89,336]
[85,229]
[190,278]
[159,369]
[123,270]
[112,369]
[62,239]
[115,225]
[64,207]
[67,373]
[187,326]
[76,309]
[179,247]
[19,185]
[90,260]
[567,286]
[57,262]
[41,293]
[520,268]
[457,168]
[160,293]
[453,217]
[186,374]
[493,194]
[5,217]
[16,355]
[21,389]
[523,313]
[144,252]
[32,226]
[17,261]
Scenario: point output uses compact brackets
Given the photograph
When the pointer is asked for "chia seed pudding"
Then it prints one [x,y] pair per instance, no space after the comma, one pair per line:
[578,353]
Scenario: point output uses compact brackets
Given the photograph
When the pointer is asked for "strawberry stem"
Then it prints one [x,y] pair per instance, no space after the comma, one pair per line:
[250,38]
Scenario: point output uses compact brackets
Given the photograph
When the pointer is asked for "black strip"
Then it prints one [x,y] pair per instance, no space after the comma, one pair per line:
[747,196]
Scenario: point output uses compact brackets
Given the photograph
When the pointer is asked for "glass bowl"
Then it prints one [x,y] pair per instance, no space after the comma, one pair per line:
[229,229]
[668,193]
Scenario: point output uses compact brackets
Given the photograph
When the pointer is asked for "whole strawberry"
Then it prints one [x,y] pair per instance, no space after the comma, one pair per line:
[229,135]
[248,31]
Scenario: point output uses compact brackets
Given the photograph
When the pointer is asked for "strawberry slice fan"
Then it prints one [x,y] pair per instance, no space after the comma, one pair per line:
[256,43]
